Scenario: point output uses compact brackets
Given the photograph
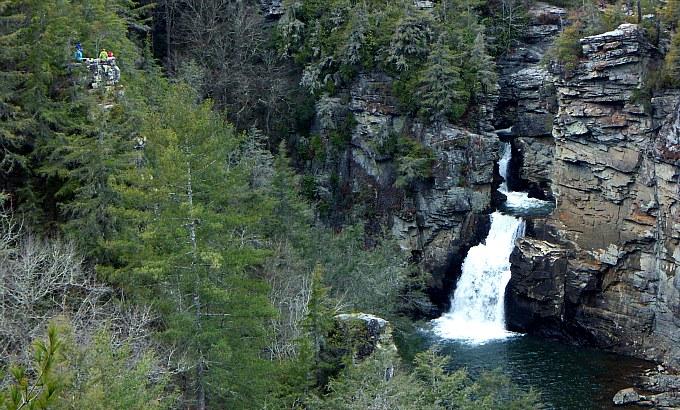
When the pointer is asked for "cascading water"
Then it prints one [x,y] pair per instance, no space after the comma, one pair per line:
[517,202]
[477,311]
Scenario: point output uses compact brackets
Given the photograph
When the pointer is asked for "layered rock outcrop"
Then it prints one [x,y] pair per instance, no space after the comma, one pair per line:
[441,216]
[437,216]
[528,101]
[272,9]
[656,389]
[605,267]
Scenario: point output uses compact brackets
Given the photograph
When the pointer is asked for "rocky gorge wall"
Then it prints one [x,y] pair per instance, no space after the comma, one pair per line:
[437,218]
[604,268]
[528,102]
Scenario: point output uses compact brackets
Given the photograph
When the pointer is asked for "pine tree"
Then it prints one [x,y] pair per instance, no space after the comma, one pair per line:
[355,45]
[38,391]
[194,246]
[410,41]
[441,91]
[482,66]
[85,160]
[14,144]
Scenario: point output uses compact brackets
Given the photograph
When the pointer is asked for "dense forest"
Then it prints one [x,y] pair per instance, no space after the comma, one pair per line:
[181,239]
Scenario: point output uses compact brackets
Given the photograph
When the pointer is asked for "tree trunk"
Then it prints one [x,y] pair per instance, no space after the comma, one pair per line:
[639,11]
[168,30]
[200,366]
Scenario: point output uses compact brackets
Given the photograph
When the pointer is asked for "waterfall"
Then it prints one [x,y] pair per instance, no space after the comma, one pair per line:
[518,202]
[477,311]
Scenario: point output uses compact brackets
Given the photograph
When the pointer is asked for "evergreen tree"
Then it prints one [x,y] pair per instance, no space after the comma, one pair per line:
[441,91]
[483,67]
[40,390]
[105,377]
[85,161]
[355,45]
[194,246]
[48,112]
[410,41]
[14,145]
[376,384]
[291,217]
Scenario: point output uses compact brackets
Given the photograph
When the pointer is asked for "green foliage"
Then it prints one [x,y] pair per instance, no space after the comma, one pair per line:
[428,386]
[485,78]
[436,80]
[191,249]
[60,144]
[567,48]
[671,66]
[104,376]
[669,13]
[181,212]
[68,376]
[318,324]
[38,389]
[410,41]
[613,16]
[507,22]
[414,162]
[365,386]
[440,88]
[14,145]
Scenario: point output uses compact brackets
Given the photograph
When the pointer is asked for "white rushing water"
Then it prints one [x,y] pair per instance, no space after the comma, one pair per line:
[516,201]
[477,312]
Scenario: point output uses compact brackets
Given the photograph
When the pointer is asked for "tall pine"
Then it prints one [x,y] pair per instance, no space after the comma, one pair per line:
[193,251]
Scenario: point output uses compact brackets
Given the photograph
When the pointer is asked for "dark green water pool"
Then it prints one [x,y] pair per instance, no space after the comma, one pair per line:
[567,377]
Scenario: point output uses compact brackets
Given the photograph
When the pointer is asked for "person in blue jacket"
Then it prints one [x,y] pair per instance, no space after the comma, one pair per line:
[78,55]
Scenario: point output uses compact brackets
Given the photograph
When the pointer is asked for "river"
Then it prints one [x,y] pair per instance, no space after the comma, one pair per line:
[473,331]
[567,377]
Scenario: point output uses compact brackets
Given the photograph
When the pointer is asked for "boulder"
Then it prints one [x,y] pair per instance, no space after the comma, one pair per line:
[364,334]
[626,396]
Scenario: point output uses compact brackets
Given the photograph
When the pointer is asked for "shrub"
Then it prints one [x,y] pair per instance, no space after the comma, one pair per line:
[567,49]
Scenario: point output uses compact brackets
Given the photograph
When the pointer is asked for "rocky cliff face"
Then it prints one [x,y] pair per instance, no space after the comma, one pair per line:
[272,9]
[605,267]
[528,102]
[102,74]
[437,218]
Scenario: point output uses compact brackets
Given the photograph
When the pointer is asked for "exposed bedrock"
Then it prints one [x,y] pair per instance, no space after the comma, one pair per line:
[435,219]
[605,267]
[272,9]
[528,102]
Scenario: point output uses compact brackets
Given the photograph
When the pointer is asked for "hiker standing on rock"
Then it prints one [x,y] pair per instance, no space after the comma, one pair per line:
[78,55]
